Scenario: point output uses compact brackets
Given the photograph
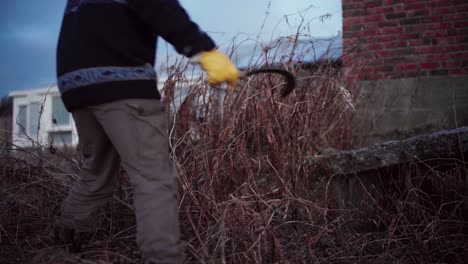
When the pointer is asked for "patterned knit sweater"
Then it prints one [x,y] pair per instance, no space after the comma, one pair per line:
[107,48]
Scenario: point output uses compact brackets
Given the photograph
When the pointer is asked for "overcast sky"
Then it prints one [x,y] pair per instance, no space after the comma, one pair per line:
[29,30]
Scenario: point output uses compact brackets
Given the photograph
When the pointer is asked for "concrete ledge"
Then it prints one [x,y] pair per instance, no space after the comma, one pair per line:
[443,144]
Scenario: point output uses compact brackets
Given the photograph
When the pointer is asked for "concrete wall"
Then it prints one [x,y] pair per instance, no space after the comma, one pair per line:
[401,108]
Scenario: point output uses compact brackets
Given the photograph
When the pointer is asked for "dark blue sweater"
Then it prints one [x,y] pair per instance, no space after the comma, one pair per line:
[107,48]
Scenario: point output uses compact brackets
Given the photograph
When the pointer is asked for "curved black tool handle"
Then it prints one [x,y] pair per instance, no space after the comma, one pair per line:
[290,78]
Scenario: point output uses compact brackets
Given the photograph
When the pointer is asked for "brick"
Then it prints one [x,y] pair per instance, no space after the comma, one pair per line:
[428,19]
[395,44]
[451,40]
[461,16]
[386,53]
[445,2]
[349,35]
[462,8]
[429,50]
[405,51]
[368,69]
[371,25]
[439,72]
[435,34]
[373,3]
[395,16]
[430,41]
[451,64]
[417,5]
[446,25]
[400,8]
[348,6]
[385,38]
[390,2]
[409,36]
[358,5]
[442,11]
[415,42]
[375,46]
[439,57]
[352,20]
[461,24]
[354,13]
[382,9]
[392,23]
[355,27]
[429,65]
[459,55]
[373,18]
[372,32]
[462,31]
[391,30]
[410,21]
[450,32]
[414,74]
[387,68]
[415,28]
[435,26]
[419,13]
[432,19]
[407,66]
[348,42]
[440,3]
[455,48]
[394,60]
[458,71]
[463,39]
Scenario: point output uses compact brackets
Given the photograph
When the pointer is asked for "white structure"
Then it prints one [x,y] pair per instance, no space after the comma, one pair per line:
[40,118]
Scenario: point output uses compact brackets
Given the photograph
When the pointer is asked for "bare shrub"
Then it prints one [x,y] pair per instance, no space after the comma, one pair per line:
[248,194]
[6,113]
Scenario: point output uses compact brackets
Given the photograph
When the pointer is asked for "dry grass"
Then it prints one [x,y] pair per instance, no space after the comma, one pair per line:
[248,194]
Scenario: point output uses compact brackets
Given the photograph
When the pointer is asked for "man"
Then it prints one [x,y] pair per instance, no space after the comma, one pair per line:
[105,68]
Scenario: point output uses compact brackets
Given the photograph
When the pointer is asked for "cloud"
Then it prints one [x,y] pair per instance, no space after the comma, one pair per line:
[28,36]
[225,19]
[29,31]
[33,35]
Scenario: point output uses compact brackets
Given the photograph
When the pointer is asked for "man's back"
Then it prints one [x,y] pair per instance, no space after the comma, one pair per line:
[108,46]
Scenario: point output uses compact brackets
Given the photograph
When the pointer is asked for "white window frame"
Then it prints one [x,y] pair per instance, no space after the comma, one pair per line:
[43,97]
[58,128]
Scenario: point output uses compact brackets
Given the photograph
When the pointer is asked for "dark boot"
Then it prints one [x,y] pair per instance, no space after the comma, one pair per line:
[67,238]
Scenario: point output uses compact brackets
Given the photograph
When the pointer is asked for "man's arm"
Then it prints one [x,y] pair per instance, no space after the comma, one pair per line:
[169,20]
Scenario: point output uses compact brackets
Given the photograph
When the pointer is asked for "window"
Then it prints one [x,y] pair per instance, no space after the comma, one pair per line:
[60,115]
[21,119]
[33,119]
[61,138]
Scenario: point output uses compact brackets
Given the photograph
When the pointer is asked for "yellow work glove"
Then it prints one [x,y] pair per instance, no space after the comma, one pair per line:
[219,68]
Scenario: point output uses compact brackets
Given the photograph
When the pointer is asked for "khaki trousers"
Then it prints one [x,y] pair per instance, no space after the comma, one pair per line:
[132,133]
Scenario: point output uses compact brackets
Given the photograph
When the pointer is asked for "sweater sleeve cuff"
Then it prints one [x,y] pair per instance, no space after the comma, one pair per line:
[201,43]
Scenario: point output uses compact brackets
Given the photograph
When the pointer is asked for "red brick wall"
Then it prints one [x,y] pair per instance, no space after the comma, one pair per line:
[397,39]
